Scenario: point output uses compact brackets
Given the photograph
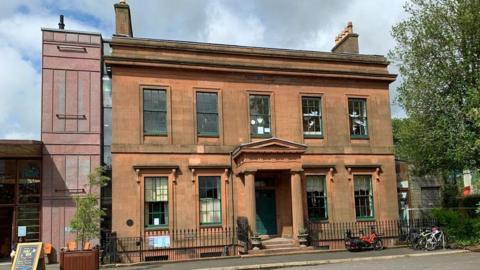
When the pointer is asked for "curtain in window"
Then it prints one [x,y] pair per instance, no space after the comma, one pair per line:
[316,197]
[363,196]
[210,200]
[312,116]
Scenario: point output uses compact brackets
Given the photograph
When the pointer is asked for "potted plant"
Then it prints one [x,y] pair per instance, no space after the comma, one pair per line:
[256,241]
[86,222]
[303,237]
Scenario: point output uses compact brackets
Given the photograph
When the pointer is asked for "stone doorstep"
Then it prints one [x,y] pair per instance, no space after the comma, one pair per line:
[334,261]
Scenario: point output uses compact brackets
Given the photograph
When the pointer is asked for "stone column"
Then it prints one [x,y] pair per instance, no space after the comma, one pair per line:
[250,207]
[297,202]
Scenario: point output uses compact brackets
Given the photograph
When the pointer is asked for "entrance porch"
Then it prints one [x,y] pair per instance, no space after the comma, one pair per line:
[272,186]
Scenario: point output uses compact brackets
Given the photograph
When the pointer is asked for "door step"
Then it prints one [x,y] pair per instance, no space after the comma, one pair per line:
[278,245]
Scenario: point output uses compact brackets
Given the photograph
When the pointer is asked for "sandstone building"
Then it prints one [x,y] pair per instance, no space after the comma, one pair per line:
[196,135]
[205,133]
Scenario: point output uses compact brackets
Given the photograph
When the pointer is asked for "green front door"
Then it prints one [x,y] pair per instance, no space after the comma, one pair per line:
[266,212]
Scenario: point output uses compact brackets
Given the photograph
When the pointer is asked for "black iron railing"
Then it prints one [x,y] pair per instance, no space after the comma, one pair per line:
[331,235]
[170,245]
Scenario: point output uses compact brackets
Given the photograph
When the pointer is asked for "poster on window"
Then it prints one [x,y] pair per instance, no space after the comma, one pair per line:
[162,241]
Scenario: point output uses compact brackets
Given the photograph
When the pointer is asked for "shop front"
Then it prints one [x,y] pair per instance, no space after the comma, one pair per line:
[20,193]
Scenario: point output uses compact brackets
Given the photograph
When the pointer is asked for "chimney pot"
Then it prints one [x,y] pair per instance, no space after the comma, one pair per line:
[346,41]
[61,25]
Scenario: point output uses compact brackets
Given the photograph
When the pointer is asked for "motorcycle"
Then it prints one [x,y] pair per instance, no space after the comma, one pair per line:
[370,241]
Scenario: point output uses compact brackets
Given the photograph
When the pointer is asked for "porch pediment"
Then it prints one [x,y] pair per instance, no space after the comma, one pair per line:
[272,153]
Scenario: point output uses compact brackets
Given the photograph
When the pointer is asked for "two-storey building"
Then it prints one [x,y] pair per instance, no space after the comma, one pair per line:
[205,133]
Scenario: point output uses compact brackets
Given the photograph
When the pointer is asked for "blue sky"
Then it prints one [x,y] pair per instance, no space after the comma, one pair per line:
[301,24]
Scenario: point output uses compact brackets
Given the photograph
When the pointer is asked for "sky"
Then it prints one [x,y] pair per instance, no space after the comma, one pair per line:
[292,24]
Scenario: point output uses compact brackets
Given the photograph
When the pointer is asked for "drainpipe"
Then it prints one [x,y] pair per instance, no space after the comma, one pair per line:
[231,198]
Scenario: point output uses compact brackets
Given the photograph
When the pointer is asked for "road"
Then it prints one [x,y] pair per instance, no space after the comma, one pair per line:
[462,261]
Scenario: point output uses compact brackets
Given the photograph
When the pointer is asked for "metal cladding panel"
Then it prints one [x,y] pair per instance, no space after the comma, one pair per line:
[71,121]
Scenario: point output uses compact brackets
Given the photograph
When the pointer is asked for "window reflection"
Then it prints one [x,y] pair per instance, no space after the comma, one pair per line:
[7,181]
[29,181]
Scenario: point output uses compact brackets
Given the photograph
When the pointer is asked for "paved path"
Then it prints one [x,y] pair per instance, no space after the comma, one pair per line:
[462,261]
[214,263]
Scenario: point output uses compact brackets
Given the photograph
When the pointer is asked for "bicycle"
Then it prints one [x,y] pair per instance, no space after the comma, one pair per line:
[435,239]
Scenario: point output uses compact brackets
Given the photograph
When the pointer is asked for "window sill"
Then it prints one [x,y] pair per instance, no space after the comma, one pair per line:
[156,134]
[359,137]
[211,225]
[319,220]
[360,219]
[213,135]
[311,136]
[261,136]
[156,228]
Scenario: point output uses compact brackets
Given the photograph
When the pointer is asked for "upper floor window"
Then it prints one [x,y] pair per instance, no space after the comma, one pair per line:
[316,197]
[207,114]
[312,117]
[363,196]
[260,125]
[154,112]
[357,110]
[210,200]
[156,201]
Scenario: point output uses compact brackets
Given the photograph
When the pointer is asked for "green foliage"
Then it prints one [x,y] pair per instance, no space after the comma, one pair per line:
[450,194]
[88,214]
[469,204]
[463,229]
[438,53]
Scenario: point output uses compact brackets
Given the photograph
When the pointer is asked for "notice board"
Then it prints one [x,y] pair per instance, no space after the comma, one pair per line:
[29,256]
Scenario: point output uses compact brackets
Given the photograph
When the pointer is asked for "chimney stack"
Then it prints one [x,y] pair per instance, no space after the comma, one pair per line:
[346,41]
[123,21]
[61,25]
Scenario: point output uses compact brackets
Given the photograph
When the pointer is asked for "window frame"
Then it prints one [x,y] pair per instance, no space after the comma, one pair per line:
[323,178]
[197,113]
[370,196]
[219,192]
[320,100]
[270,107]
[159,89]
[350,118]
[145,207]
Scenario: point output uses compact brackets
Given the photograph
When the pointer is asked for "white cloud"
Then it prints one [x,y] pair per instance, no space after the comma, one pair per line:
[224,26]
[20,73]
[306,24]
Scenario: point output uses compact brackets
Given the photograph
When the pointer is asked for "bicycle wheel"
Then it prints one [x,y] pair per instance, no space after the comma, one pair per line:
[431,244]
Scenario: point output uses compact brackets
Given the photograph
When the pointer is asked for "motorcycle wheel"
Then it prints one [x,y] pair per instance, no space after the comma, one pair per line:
[378,245]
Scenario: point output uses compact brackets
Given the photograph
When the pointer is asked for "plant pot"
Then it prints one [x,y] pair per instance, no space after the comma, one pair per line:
[79,259]
[256,242]
[303,240]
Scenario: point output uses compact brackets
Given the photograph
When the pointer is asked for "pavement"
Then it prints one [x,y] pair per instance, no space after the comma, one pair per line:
[285,261]
[462,261]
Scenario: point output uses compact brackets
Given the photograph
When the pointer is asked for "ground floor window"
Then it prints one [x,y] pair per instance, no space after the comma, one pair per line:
[210,200]
[316,197]
[156,201]
[363,196]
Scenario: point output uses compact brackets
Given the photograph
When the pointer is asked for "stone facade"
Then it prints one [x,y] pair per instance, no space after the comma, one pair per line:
[244,162]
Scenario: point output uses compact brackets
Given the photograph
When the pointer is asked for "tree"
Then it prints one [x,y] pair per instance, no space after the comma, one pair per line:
[438,53]
[88,214]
